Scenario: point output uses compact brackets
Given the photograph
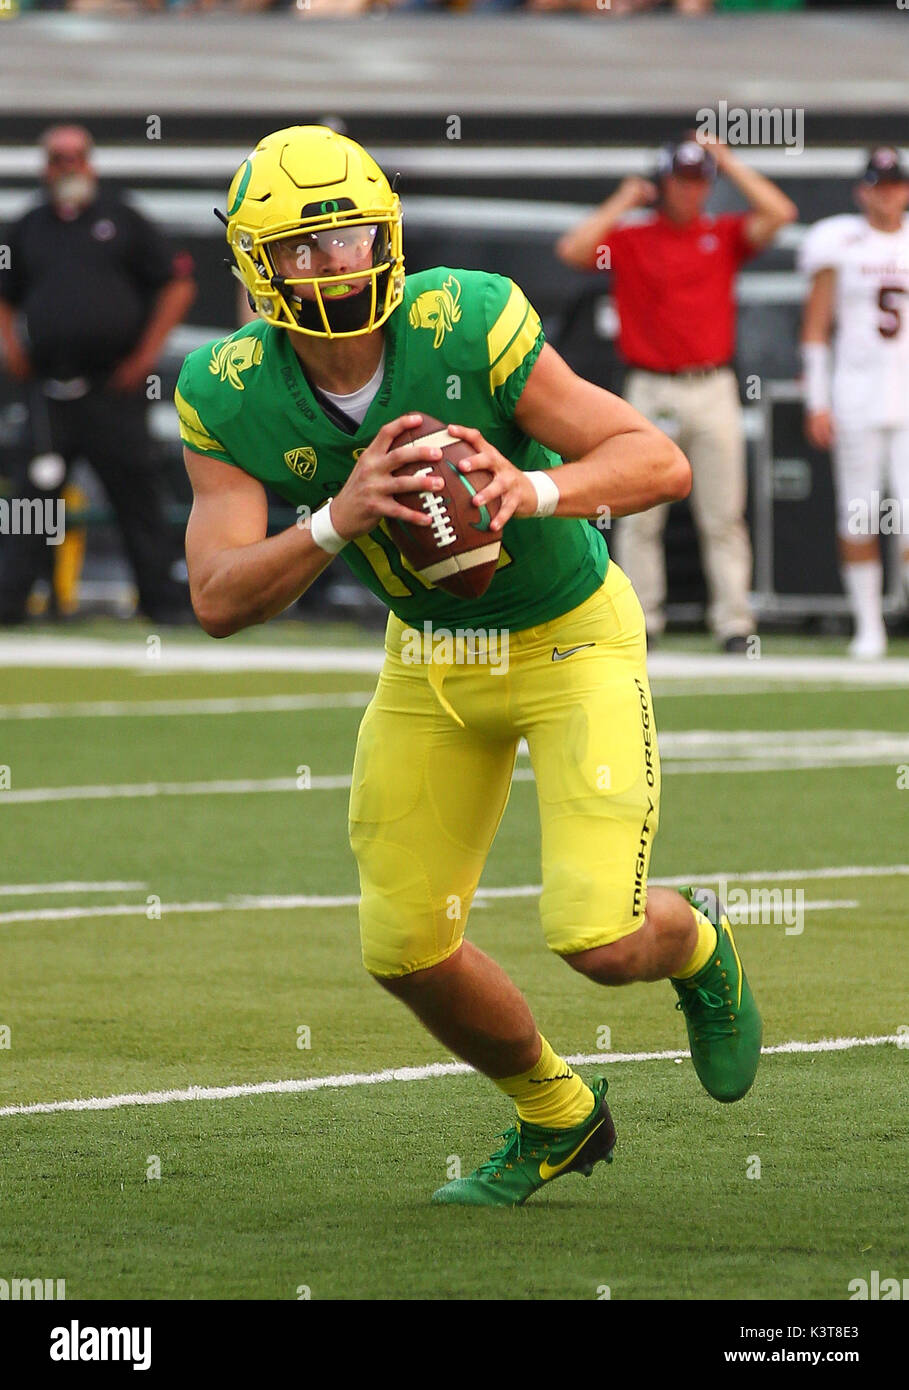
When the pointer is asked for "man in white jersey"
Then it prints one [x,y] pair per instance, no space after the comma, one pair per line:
[859,269]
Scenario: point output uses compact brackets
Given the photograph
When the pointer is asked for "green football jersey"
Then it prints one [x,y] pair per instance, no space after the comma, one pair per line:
[460,348]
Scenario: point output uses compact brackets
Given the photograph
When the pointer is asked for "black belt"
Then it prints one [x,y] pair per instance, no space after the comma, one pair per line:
[681,371]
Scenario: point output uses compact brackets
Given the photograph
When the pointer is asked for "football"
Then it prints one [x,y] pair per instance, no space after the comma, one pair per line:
[457,552]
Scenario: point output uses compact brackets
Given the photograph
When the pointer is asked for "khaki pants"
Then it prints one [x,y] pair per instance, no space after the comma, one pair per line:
[704,417]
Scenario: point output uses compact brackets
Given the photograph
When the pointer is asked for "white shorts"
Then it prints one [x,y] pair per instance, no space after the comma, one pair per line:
[871,477]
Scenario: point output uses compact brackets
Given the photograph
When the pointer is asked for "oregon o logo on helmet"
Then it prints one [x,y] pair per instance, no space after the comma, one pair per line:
[331,205]
[241,188]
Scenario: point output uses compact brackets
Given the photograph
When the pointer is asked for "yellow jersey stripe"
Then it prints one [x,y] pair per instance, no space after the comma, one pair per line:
[507,324]
[522,344]
[378,560]
[192,431]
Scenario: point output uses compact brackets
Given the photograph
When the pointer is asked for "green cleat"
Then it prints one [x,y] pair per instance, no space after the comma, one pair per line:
[724,1026]
[532,1156]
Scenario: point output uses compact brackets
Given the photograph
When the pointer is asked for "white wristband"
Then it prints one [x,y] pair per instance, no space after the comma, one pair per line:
[816,376]
[323,533]
[546,489]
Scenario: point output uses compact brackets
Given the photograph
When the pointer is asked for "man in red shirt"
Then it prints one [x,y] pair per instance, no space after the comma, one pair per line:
[673,281]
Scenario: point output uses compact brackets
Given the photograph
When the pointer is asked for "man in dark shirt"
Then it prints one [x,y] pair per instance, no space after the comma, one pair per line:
[88,298]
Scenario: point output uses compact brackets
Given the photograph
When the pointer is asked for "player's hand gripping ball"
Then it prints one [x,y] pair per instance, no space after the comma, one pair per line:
[457,552]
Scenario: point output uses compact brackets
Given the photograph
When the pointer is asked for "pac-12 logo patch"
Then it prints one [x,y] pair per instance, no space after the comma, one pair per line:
[302,461]
[437,309]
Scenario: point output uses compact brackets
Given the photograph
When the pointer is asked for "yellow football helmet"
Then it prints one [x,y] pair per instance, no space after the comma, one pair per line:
[315,230]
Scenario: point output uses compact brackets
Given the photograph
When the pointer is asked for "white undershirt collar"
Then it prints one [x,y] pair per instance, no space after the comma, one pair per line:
[358,402]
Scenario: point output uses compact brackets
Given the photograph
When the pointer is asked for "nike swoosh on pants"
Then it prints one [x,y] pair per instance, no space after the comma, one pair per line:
[570,651]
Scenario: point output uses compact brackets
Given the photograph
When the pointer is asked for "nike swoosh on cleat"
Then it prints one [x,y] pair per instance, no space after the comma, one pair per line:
[547,1171]
[570,651]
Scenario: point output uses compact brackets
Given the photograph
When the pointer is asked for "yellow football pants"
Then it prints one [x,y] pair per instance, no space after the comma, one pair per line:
[433,770]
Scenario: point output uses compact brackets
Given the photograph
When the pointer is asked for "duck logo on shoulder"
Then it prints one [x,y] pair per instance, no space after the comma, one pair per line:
[231,358]
[437,309]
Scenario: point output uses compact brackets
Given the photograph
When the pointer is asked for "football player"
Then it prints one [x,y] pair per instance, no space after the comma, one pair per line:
[859,269]
[308,400]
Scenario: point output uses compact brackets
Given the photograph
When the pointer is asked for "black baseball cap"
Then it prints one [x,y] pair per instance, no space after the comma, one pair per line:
[686,158]
[885,165]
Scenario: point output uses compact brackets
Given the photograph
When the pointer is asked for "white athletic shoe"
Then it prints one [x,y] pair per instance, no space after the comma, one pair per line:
[869,646]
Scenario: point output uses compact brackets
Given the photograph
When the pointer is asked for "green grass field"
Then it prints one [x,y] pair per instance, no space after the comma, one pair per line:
[261,1194]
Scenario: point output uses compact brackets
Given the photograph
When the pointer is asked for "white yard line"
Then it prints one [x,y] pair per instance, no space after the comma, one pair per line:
[742,751]
[883,756]
[730,877]
[424,1073]
[271,901]
[176,655]
[33,890]
[787,875]
[242,704]
[669,687]
[286,902]
[356,699]
[239,904]
[741,918]
[690,743]
[130,791]
[839,670]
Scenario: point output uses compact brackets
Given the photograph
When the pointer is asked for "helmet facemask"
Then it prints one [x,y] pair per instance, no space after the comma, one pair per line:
[324,254]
